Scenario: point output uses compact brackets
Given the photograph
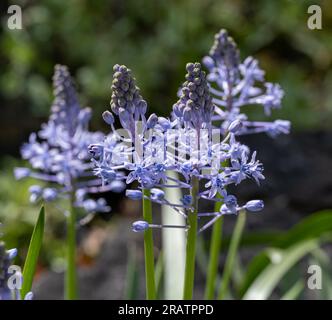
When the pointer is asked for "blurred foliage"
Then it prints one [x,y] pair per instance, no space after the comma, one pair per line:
[18,216]
[156,39]
[279,268]
[280,261]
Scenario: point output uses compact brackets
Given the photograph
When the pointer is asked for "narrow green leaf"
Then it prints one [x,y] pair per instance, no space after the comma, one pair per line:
[294,292]
[232,252]
[238,273]
[281,262]
[311,227]
[33,253]
[132,275]
[251,239]
[201,256]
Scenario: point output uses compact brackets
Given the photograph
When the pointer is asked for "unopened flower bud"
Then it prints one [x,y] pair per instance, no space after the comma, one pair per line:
[152,121]
[254,205]
[108,117]
[235,126]
[134,194]
[140,226]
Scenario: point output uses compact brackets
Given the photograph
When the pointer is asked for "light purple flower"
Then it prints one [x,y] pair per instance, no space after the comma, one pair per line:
[236,84]
[59,152]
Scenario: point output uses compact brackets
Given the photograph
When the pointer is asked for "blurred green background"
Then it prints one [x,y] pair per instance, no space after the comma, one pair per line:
[155,38]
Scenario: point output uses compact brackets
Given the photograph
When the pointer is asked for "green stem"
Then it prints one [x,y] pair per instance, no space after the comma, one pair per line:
[214,255]
[233,247]
[191,243]
[71,276]
[215,246]
[148,249]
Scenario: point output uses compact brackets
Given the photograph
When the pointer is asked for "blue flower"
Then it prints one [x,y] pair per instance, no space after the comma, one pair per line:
[243,169]
[184,143]
[187,200]
[142,174]
[59,152]
[216,184]
[236,84]
[231,203]
[93,206]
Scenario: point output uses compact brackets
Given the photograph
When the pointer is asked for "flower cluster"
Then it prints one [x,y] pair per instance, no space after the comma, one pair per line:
[187,143]
[235,84]
[59,155]
[195,104]
[197,141]
[117,151]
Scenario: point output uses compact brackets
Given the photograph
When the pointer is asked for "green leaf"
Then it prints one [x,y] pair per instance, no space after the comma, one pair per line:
[254,239]
[281,262]
[294,292]
[132,275]
[232,252]
[311,227]
[33,253]
[238,272]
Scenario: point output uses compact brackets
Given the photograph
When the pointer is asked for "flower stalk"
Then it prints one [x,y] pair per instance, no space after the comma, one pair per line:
[148,249]
[191,243]
[71,274]
[215,246]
